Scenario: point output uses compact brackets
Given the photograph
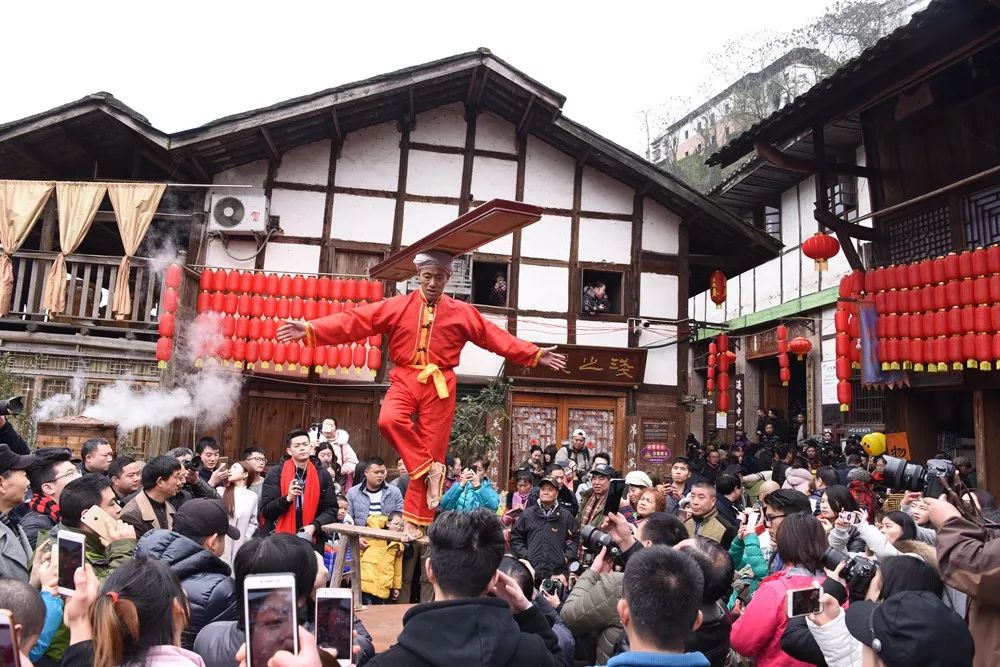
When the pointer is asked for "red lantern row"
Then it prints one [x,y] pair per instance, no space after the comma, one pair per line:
[725,358]
[166,317]
[968,265]
[280,307]
[285,285]
[784,372]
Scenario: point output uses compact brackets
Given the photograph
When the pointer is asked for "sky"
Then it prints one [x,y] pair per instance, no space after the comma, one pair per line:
[183,63]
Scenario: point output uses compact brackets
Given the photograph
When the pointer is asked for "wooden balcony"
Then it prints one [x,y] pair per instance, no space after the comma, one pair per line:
[90,288]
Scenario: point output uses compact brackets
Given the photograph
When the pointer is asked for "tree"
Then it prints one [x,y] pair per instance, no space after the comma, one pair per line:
[479,421]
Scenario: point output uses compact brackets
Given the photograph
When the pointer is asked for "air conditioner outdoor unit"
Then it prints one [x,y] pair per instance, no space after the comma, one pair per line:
[238,214]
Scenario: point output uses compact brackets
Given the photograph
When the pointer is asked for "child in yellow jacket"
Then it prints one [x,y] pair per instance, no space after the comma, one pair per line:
[382,563]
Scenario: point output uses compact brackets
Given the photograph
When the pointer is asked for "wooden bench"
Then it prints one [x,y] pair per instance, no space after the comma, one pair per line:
[351,535]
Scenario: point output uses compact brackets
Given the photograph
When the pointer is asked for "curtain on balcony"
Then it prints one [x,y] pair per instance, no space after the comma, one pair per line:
[134,204]
[77,203]
[21,202]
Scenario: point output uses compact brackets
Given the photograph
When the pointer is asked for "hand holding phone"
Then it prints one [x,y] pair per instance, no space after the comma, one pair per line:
[294,491]
[271,621]
[335,621]
[69,557]
[802,601]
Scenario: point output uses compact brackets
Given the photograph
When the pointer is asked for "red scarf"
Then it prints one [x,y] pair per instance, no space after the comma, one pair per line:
[310,497]
[44,505]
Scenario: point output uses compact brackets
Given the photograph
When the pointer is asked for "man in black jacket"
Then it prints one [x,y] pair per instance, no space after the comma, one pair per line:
[298,495]
[546,535]
[192,551]
[466,550]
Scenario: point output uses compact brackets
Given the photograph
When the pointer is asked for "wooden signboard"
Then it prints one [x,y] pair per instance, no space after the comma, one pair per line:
[613,366]
[896,444]
[765,343]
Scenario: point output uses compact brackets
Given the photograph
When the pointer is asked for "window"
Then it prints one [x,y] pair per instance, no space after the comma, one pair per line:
[772,221]
[843,196]
[489,283]
[602,293]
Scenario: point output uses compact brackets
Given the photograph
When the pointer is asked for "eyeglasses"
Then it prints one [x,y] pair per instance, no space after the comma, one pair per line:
[68,473]
[256,458]
[769,518]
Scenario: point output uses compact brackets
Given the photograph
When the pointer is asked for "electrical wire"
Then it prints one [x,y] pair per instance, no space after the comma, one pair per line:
[225,247]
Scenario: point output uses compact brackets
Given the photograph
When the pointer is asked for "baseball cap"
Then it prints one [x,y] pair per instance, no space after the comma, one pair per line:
[899,632]
[580,433]
[548,480]
[200,517]
[605,471]
[638,478]
[10,460]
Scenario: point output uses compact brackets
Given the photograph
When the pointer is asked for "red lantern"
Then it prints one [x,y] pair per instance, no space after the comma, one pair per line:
[243,304]
[246,282]
[965,268]
[172,279]
[841,320]
[786,376]
[253,330]
[169,300]
[298,285]
[322,308]
[230,301]
[284,309]
[252,353]
[285,285]
[242,327]
[723,343]
[969,350]
[258,284]
[717,288]
[266,353]
[272,284]
[218,301]
[955,353]
[280,356]
[296,308]
[311,287]
[376,291]
[926,271]
[233,281]
[844,395]
[204,302]
[269,329]
[239,352]
[917,354]
[228,326]
[166,325]
[344,357]
[323,286]
[309,309]
[723,402]
[351,289]
[363,290]
[224,351]
[843,368]
[820,247]
[723,381]
[940,357]
[980,262]
[359,358]
[984,351]
[319,358]
[164,351]
[256,305]
[219,280]
[952,268]
[337,289]
[710,386]
[375,341]
[292,355]
[993,259]
[374,360]
[996,348]
[206,280]
[306,355]
[800,347]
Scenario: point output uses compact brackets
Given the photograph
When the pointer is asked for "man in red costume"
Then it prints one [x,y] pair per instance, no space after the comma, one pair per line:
[426,331]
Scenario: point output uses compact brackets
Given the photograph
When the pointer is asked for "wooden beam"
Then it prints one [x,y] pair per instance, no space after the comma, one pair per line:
[467,162]
[269,145]
[404,160]
[634,275]
[325,254]
[23,153]
[514,277]
[411,121]
[802,165]
[199,169]
[337,134]
[575,282]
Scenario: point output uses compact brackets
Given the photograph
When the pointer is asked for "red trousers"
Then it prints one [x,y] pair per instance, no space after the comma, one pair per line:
[419,442]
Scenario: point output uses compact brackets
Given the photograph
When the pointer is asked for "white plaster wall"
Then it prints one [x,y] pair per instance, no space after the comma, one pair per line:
[544,288]
[828,327]
[493,178]
[658,296]
[711,314]
[810,276]
[747,292]
[603,193]
[435,174]
[291,258]
[661,363]
[733,288]
[601,334]
[362,218]
[306,164]
[548,238]
[660,227]
[605,241]
[790,218]
[864,191]
[548,176]
[215,253]
[768,284]
[477,361]
[301,212]
[541,329]
[441,126]
[493,133]
[501,246]
[791,275]
[420,219]
[253,173]
[807,203]
[370,158]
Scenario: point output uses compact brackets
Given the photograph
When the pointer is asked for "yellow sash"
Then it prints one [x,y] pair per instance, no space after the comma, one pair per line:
[431,371]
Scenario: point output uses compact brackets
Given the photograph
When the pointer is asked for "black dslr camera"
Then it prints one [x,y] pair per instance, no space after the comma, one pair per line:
[594,539]
[901,474]
[13,406]
[858,572]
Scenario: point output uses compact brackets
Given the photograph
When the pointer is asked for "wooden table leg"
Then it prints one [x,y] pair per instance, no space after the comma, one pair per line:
[337,575]
[356,571]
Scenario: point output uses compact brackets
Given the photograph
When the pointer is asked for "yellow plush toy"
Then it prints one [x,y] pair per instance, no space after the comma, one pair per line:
[874,444]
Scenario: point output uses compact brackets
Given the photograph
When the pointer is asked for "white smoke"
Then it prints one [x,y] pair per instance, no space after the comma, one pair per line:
[206,395]
[62,405]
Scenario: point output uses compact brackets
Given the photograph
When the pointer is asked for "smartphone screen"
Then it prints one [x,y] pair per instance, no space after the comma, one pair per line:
[334,625]
[9,655]
[270,623]
[615,491]
[70,558]
[804,601]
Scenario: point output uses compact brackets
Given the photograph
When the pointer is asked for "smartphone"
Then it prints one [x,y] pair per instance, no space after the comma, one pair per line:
[802,601]
[223,462]
[69,556]
[335,622]
[753,517]
[10,652]
[269,606]
[100,522]
[616,489]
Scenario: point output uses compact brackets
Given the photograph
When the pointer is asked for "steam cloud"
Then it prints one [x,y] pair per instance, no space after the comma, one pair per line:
[61,405]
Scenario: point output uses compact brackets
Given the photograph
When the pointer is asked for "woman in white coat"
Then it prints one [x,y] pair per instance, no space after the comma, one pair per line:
[241,505]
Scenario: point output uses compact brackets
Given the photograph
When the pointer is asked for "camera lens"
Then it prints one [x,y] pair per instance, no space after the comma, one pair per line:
[900,474]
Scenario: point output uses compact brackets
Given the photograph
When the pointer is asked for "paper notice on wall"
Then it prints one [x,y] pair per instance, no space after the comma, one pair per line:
[721,420]
[828,381]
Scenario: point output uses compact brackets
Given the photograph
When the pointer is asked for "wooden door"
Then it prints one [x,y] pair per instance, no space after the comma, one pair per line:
[269,416]
[775,396]
[353,412]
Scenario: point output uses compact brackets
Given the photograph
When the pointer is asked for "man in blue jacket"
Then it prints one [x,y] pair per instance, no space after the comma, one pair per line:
[373,496]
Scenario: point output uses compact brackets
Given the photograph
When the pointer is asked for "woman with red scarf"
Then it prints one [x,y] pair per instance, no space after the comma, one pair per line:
[298,496]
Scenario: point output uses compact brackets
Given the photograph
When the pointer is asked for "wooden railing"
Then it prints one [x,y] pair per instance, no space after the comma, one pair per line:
[90,290]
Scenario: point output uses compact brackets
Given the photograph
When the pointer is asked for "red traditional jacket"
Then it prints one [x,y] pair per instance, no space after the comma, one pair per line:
[421,335]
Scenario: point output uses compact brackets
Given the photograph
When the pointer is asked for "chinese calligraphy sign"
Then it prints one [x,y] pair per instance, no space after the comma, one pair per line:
[596,365]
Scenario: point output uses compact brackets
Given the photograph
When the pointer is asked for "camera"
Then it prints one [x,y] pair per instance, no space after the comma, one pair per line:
[193,464]
[858,572]
[552,586]
[594,540]
[904,475]
[13,406]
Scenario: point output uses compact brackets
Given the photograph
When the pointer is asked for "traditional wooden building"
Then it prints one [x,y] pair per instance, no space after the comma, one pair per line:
[923,99]
[351,174]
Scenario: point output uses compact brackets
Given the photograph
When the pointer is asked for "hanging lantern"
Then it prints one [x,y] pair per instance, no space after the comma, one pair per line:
[322,308]
[717,288]
[296,308]
[245,281]
[270,307]
[206,280]
[917,355]
[230,300]
[376,291]
[820,248]
[844,395]
[266,353]
[710,386]
[256,305]
[169,300]
[254,329]
[269,329]
[224,351]
[228,326]
[363,290]
[242,327]
[166,325]
[800,347]
[272,284]
[218,301]
[284,309]
[280,356]
[239,352]
[243,304]
[984,351]
[993,258]
[251,354]
[285,285]
[309,309]
[204,302]
[723,402]
[374,360]
[323,286]
[969,350]
[351,289]
[164,351]
[360,355]
[311,287]
[172,277]
[319,358]
[292,355]
[258,283]
[306,355]
[786,376]
[723,382]
[233,281]
[344,357]
[337,289]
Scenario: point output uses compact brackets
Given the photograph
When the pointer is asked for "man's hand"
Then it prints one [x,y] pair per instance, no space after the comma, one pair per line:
[549,358]
[294,491]
[308,654]
[940,510]
[910,497]
[76,613]
[602,564]
[620,529]
[830,612]
[120,530]
[291,330]
[192,476]
[48,573]
[218,478]
[3,421]
[508,589]
[311,529]
[475,479]
[551,598]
